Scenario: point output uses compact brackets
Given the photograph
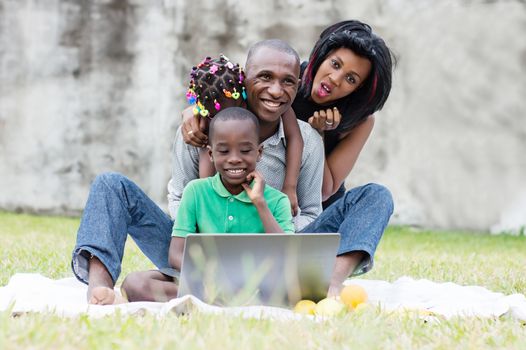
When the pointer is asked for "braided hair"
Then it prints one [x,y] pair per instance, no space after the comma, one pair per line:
[212,83]
[371,96]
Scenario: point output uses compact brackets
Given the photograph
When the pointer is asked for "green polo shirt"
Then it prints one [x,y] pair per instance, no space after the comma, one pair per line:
[207,207]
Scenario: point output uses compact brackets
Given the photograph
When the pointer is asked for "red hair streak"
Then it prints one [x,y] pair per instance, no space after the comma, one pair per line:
[307,75]
[373,90]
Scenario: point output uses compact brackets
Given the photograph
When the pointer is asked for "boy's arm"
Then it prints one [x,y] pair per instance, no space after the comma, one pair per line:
[256,196]
[185,223]
[175,254]
[293,157]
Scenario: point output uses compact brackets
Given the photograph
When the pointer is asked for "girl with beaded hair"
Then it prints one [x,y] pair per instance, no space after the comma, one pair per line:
[216,84]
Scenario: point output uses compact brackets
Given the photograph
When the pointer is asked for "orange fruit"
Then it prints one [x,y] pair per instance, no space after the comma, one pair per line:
[353,295]
[329,307]
[305,307]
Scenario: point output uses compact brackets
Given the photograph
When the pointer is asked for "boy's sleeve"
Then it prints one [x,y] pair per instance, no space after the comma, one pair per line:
[283,215]
[186,221]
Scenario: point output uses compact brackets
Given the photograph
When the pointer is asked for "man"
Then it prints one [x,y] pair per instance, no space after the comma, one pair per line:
[116,206]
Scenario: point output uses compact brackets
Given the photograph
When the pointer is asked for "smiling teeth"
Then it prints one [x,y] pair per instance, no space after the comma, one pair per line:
[273,104]
[235,171]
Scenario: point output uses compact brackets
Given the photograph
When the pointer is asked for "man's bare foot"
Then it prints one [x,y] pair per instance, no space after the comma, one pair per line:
[105,296]
[100,284]
[102,296]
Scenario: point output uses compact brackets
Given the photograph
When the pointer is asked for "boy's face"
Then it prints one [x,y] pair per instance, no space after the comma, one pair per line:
[234,149]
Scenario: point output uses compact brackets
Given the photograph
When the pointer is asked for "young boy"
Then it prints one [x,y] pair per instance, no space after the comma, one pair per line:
[235,200]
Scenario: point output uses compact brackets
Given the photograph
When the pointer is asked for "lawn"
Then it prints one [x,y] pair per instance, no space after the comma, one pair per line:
[44,244]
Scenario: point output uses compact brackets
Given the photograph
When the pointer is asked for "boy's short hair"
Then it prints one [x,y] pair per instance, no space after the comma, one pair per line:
[233,113]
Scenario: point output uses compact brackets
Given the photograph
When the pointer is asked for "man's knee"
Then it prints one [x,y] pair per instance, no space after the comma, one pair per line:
[109,179]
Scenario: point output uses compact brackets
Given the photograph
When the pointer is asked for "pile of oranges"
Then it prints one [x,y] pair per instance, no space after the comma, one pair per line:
[352,297]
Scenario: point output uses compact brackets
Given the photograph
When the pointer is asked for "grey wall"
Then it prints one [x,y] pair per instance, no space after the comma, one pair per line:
[93,86]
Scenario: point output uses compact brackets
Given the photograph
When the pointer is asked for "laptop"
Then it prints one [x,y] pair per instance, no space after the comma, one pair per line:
[258,269]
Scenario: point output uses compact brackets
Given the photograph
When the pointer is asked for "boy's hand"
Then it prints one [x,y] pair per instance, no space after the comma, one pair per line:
[194,129]
[256,192]
[293,198]
[327,119]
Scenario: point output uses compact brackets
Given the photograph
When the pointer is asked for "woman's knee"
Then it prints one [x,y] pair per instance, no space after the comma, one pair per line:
[380,195]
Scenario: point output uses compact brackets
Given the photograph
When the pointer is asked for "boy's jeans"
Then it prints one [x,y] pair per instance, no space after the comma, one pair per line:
[116,206]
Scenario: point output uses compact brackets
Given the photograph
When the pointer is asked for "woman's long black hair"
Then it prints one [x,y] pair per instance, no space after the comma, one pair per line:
[372,94]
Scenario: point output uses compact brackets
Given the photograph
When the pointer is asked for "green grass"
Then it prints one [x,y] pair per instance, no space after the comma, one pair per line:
[43,245]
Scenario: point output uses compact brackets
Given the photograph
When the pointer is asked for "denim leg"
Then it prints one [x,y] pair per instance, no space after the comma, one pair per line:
[116,206]
[360,217]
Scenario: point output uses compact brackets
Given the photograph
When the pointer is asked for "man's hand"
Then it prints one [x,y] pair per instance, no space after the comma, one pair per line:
[324,120]
[194,128]
[256,192]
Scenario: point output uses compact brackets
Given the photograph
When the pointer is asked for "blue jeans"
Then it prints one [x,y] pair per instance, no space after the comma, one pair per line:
[117,207]
[360,217]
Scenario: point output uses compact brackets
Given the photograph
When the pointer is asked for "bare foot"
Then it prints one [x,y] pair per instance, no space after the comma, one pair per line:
[343,268]
[100,286]
[334,290]
[102,296]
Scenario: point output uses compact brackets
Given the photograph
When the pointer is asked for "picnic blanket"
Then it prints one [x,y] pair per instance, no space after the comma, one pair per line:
[67,297]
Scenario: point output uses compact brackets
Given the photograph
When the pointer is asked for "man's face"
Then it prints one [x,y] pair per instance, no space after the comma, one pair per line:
[271,83]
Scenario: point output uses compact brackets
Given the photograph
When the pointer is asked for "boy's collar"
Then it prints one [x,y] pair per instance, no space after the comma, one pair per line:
[219,188]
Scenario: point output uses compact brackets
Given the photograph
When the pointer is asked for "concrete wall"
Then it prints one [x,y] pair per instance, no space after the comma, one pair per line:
[93,86]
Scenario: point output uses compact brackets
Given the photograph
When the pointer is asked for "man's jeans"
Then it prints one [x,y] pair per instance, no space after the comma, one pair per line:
[116,206]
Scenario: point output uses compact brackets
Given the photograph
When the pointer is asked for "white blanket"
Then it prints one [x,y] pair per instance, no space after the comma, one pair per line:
[67,297]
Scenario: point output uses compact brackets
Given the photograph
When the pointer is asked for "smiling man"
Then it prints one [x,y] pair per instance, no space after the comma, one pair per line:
[117,207]
[272,77]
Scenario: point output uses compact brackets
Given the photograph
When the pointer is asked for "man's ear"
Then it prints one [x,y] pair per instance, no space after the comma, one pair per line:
[260,152]
[210,153]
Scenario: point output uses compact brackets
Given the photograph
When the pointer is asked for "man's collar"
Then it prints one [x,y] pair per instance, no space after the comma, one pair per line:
[220,189]
[277,136]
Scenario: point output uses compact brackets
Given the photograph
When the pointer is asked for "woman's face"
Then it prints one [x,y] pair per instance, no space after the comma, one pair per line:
[339,75]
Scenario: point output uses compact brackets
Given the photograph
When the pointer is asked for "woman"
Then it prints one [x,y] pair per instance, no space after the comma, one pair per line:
[346,80]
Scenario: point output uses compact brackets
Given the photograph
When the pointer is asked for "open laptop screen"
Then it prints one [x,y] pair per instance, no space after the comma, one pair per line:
[258,269]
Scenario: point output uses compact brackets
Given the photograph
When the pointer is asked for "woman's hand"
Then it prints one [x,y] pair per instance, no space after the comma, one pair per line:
[194,129]
[324,120]
[256,192]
